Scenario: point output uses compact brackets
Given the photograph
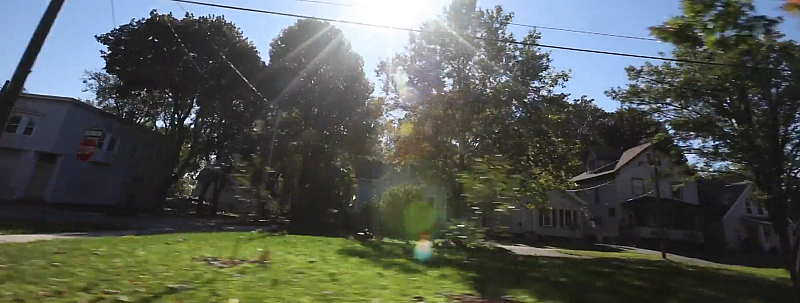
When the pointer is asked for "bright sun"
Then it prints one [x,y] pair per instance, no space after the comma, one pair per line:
[398,13]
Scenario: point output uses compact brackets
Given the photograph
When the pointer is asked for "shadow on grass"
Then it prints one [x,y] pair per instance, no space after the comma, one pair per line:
[389,256]
[495,273]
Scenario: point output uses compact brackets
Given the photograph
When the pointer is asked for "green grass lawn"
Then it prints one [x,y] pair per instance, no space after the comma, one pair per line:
[314,269]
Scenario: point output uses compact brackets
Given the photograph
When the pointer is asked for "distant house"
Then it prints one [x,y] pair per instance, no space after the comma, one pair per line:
[38,155]
[621,197]
[734,220]
[234,198]
[564,215]
[375,177]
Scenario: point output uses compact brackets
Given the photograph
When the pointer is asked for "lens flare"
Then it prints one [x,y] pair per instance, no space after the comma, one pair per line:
[423,251]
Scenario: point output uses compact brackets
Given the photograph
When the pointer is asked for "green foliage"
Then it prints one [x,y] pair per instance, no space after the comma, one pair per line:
[490,186]
[466,230]
[321,95]
[402,215]
[466,99]
[177,74]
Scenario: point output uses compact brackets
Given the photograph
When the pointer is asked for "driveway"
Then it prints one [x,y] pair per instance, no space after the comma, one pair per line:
[525,250]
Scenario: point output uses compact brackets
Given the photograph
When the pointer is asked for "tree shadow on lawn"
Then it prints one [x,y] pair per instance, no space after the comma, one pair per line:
[495,273]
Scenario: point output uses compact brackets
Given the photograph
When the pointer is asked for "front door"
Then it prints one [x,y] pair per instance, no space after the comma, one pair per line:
[40,179]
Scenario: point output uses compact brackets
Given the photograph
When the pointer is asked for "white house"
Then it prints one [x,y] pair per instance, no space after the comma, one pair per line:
[38,155]
[563,215]
[736,219]
[621,197]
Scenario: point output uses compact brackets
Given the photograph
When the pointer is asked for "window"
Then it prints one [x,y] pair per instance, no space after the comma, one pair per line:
[631,218]
[567,218]
[22,125]
[545,217]
[112,143]
[677,193]
[561,218]
[13,124]
[612,212]
[640,163]
[101,141]
[597,195]
[638,186]
[748,206]
[29,127]
[760,209]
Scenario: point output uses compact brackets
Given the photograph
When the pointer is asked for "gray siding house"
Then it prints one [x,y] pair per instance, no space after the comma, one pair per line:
[621,197]
[734,221]
[564,215]
[38,156]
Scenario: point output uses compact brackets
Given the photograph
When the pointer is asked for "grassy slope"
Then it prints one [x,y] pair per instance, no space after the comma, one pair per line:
[312,269]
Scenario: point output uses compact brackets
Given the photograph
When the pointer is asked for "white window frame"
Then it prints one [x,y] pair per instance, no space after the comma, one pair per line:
[24,122]
[546,216]
[567,214]
[103,143]
[116,141]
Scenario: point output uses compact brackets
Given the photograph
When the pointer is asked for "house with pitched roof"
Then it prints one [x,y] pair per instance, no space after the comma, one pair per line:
[622,197]
[39,159]
[734,220]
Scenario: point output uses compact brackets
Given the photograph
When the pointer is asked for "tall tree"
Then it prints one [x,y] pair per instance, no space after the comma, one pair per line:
[628,127]
[183,76]
[329,121]
[467,95]
[745,110]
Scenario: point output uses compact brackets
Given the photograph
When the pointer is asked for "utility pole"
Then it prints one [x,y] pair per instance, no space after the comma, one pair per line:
[662,212]
[10,93]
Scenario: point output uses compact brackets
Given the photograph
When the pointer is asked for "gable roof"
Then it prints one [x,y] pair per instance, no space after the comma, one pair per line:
[626,158]
[718,197]
[602,153]
[91,108]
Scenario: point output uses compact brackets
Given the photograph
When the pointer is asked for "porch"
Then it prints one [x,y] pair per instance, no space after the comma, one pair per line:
[757,235]
[644,218]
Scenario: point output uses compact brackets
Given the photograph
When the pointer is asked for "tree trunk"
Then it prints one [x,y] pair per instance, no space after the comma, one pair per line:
[778,217]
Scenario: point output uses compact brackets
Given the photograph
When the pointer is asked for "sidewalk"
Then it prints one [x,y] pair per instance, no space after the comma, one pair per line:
[40,218]
[672,257]
[120,233]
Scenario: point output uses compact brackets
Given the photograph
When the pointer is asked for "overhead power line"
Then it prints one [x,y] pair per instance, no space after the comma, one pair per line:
[574,49]
[113,14]
[328,3]
[585,32]
[518,24]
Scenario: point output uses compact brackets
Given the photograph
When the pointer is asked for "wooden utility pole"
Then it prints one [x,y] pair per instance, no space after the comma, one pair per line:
[10,92]
[662,210]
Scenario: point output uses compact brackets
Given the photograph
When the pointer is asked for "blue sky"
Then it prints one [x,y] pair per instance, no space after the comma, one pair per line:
[70,48]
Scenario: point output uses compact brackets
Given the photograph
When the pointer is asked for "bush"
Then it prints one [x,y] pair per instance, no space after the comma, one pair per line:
[404,214]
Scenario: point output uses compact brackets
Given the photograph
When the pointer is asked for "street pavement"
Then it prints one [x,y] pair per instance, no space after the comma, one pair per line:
[525,250]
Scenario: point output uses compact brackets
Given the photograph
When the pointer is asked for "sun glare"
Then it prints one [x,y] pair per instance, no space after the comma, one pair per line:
[397,13]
